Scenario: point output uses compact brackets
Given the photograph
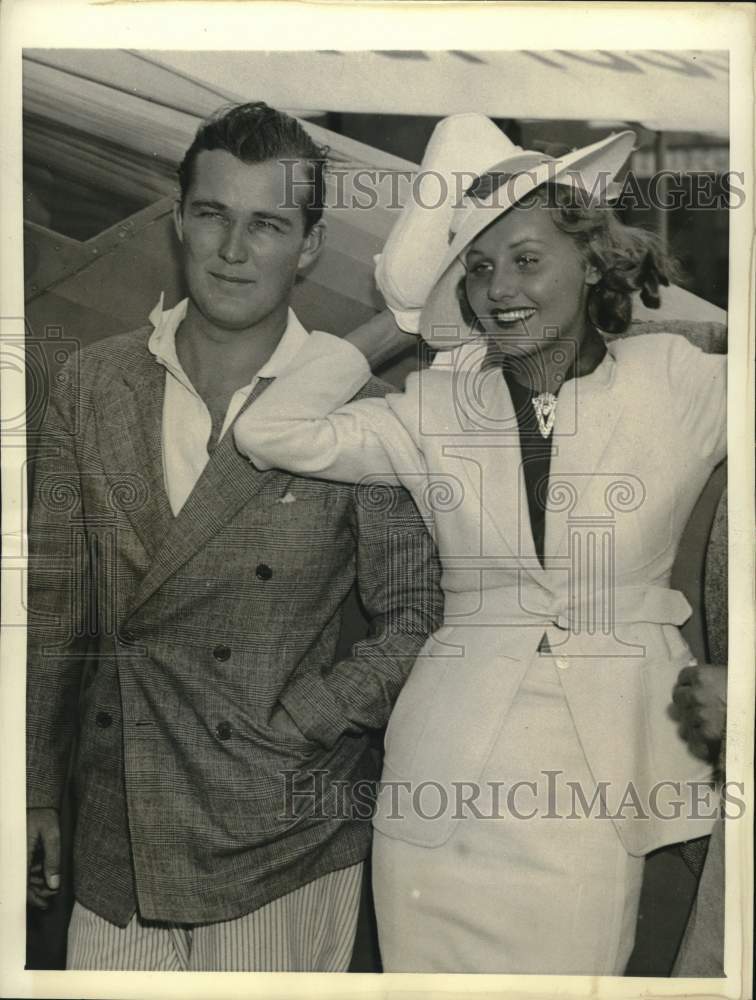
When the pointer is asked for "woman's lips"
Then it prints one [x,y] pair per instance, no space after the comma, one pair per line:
[507,317]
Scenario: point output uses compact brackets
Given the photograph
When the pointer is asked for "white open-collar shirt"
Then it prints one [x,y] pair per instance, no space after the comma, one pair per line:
[186,419]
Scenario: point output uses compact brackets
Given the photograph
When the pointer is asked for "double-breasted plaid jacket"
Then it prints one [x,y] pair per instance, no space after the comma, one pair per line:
[160,646]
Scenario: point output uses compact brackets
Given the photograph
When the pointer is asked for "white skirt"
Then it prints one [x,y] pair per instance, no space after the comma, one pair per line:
[509,894]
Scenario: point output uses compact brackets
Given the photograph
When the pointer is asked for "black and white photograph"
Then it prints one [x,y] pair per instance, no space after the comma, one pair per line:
[370,540]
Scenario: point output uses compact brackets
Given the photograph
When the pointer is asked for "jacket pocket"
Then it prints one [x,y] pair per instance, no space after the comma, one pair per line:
[300,508]
[277,741]
[277,790]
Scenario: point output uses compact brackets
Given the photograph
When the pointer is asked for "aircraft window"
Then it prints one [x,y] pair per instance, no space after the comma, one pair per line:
[80,185]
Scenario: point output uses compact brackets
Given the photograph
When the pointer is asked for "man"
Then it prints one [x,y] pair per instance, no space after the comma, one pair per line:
[185,609]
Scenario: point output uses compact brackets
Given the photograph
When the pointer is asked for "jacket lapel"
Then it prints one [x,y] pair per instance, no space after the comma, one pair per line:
[489,441]
[228,482]
[588,412]
[129,423]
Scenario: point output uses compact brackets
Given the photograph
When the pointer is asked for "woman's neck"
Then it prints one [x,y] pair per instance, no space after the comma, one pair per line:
[553,364]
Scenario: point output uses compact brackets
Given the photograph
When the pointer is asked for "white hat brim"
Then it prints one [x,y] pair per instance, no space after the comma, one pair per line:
[442,324]
[460,149]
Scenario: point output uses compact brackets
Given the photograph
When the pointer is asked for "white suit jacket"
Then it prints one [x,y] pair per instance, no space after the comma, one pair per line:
[633,444]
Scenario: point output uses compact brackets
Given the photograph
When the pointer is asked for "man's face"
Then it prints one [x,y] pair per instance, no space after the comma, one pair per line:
[242,249]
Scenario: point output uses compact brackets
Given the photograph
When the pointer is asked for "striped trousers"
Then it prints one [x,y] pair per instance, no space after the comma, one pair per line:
[311,929]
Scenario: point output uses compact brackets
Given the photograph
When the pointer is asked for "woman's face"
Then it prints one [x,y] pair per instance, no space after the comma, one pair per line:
[527,282]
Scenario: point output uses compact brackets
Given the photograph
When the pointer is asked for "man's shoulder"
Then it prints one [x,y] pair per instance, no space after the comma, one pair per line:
[116,350]
[375,387]
[94,367]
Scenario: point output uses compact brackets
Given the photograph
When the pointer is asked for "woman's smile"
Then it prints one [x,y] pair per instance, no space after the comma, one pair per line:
[511,317]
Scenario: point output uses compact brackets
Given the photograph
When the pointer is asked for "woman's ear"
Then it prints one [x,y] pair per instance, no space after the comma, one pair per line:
[592,275]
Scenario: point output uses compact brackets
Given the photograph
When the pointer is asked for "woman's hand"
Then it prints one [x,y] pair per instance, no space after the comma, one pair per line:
[700,696]
[380,338]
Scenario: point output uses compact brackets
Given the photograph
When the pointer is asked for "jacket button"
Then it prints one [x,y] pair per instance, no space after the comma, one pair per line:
[263,572]
[222,652]
[127,635]
[562,663]
[223,730]
[104,720]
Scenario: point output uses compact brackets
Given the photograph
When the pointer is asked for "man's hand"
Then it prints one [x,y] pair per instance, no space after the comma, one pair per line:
[700,696]
[282,722]
[42,855]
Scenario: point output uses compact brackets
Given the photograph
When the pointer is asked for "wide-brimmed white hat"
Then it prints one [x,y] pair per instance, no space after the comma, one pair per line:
[420,268]
[461,148]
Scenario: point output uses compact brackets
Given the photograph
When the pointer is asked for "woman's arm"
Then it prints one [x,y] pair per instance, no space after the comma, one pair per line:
[698,388]
[380,339]
[300,422]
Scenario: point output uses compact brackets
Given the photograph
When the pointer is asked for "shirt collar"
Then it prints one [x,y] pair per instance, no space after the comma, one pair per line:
[162,342]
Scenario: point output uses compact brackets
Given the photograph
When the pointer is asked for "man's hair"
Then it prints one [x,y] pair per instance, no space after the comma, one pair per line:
[255,133]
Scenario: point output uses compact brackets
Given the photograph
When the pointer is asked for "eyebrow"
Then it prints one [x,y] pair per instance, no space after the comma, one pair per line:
[219,205]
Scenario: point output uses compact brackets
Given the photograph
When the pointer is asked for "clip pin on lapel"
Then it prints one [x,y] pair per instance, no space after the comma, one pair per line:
[545,411]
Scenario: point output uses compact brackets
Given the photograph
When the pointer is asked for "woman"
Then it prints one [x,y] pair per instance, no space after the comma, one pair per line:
[530,761]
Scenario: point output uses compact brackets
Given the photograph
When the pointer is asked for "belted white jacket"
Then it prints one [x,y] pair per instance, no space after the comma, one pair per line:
[633,444]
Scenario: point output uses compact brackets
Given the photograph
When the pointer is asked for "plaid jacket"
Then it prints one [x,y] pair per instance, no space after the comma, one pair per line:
[164,644]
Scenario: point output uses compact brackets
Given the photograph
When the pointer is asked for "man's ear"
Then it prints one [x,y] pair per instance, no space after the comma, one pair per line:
[178,221]
[312,246]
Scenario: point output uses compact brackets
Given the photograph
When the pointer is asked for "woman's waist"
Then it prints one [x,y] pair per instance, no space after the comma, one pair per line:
[583,605]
